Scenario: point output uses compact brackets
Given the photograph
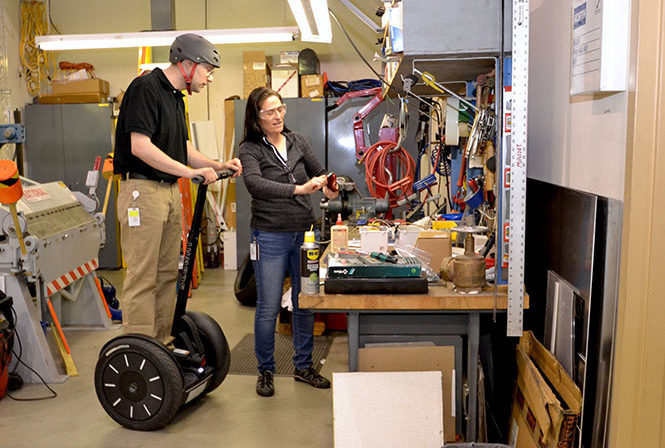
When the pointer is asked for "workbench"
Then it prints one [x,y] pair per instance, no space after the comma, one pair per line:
[439,313]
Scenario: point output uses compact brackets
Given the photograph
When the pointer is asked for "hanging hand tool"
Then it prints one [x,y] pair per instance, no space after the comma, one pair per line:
[429,79]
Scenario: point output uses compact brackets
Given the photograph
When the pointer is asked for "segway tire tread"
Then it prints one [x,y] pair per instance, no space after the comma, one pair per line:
[138,383]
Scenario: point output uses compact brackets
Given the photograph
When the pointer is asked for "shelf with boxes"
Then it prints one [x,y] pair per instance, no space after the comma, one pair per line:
[93,90]
[288,76]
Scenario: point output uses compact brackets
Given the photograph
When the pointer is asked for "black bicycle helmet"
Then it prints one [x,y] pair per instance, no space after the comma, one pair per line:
[195,48]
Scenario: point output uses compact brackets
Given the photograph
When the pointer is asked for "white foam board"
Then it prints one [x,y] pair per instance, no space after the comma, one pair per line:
[387,409]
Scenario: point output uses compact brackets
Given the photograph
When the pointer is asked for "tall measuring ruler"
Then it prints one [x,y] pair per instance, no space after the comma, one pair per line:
[515,179]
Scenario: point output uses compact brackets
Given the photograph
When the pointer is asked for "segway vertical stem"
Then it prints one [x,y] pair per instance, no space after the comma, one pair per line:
[185,277]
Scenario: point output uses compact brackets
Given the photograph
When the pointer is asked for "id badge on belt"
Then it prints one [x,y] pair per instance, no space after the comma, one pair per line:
[133,217]
[253,251]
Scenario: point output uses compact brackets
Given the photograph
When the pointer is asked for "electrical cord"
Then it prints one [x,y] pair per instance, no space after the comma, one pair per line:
[37,65]
[20,361]
[379,179]
[338,88]
[51,20]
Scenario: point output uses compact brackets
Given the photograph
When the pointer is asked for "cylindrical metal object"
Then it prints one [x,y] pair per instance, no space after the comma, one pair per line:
[309,265]
[447,272]
[469,269]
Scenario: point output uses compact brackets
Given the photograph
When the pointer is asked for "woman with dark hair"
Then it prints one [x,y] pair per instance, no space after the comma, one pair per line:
[280,171]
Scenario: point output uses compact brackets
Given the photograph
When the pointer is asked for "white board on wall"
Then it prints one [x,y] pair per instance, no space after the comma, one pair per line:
[599,48]
[204,138]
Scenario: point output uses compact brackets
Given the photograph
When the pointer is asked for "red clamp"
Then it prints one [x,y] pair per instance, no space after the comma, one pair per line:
[358,128]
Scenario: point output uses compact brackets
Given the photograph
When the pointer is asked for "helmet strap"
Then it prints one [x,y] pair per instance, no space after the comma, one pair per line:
[188,79]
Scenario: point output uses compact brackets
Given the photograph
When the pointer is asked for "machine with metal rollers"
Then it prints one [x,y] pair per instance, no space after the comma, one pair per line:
[351,205]
[62,244]
[49,247]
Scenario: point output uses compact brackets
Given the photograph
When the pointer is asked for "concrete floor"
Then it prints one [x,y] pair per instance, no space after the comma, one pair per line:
[233,415]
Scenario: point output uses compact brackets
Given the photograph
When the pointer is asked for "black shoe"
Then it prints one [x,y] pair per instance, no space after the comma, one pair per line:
[311,377]
[264,384]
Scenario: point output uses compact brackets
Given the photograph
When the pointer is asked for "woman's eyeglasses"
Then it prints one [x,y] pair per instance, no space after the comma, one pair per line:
[272,113]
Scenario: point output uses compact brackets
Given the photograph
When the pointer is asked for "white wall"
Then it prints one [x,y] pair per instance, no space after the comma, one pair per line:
[577,142]
[119,66]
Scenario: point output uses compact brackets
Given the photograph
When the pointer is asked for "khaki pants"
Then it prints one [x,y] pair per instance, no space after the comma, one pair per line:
[151,251]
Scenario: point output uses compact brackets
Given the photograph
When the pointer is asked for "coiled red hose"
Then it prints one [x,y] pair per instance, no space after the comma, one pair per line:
[384,160]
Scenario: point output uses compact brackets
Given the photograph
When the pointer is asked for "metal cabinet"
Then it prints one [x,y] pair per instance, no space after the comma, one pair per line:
[62,142]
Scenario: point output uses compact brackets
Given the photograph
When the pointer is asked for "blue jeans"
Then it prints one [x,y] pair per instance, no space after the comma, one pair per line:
[279,252]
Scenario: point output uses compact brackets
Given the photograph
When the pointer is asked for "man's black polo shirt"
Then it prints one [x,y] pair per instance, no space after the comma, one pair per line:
[153,107]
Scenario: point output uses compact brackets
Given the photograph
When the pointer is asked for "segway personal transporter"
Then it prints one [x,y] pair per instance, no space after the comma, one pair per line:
[140,382]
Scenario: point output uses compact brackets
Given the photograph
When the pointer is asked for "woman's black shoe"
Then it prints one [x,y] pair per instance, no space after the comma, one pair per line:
[264,384]
[311,377]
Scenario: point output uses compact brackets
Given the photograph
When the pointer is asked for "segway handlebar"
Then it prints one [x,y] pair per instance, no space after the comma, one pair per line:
[220,175]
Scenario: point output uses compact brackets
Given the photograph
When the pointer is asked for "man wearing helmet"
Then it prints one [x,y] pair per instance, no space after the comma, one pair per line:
[152,150]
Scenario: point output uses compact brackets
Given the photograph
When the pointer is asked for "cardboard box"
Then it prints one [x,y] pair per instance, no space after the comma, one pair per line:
[417,359]
[85,86]
[547,401]
[255,71]
[288,57]
[285,80]
[73,98]
[437,244]
[311,86]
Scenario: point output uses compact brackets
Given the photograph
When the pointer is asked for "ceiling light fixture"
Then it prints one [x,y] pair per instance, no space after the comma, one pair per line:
[163,38]
[313,20]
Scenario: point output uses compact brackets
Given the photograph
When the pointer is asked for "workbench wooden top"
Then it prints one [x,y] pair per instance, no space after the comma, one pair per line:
[437,298]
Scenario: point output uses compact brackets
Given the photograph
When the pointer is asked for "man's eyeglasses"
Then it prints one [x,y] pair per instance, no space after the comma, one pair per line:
[209,71]
[272,113]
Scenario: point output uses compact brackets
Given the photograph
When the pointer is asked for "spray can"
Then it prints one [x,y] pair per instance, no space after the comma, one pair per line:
[309,265]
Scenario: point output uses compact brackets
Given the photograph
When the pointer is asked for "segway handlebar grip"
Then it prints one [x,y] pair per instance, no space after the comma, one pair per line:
[220,175]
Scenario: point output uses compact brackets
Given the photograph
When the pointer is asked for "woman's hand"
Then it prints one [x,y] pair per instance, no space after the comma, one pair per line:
[233,165]
[312,185]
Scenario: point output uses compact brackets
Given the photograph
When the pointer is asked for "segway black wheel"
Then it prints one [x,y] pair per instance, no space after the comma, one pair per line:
[138,383]
[244,287]
[216,347]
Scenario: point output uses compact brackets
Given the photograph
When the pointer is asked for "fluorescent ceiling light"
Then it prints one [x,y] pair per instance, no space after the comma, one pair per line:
[313,20]
[162,38]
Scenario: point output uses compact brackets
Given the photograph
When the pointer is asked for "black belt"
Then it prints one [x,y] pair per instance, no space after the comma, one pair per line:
[140,176]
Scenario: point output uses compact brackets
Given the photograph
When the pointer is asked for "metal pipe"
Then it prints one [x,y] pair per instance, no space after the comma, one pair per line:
[362,16]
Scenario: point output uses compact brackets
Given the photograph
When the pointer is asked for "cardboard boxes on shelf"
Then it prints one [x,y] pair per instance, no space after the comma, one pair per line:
[92,90]
[547,402]
[255,71]
[285,80]
[94,85]
[311,86]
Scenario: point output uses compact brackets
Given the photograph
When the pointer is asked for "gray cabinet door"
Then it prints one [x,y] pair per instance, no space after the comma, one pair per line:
[62,142]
